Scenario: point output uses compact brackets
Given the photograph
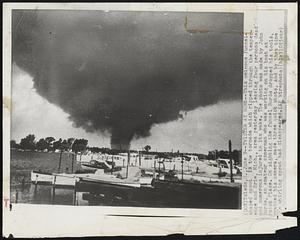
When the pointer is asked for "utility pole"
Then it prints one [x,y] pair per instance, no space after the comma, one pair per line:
[72,162]
[181,168]
[112,164]
[128,162]
[230,158]
[140,159]
[154,168]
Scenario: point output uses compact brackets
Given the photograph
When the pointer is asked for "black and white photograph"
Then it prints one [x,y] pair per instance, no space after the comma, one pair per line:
[126,108]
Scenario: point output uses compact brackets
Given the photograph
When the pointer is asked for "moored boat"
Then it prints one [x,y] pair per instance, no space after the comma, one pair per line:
[57,179]
[39,177]
[95,165]
[126,178]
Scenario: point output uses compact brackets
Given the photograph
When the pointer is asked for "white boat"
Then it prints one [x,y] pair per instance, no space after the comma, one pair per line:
[64,179]
[95,164]
[113,181]
[41,178]
[99,177]
[130,179]
[57,179]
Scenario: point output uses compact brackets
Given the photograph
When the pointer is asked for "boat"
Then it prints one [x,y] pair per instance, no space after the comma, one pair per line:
[92,180]
[55,179]
[129,177]
[63,179]
[95,164]
[39,177]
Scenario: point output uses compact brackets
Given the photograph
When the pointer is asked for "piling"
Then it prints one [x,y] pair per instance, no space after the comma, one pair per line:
[128,162]
[240,197]
[140,160]
[80,156]
[181,169]
[23,183]
[35,189]
[17,196]
[72,163]
[53,190]
[74,196]
[154,167]
[230,159]
[112,164]
[36,179]
[59,164]
[158,169]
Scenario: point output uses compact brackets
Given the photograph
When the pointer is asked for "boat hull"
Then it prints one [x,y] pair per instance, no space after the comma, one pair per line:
[41,178]
[59,180]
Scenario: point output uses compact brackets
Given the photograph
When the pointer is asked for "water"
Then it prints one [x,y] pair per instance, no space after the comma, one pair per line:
[163,196]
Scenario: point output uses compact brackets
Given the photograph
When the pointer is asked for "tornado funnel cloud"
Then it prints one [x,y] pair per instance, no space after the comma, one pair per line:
[123,72]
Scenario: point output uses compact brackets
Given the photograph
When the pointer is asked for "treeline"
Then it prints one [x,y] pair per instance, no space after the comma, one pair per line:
[50,144]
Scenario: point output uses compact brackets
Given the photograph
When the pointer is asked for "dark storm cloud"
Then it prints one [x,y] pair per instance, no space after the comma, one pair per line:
[125,71]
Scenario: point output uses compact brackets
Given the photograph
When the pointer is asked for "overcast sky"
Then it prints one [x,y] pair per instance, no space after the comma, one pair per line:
[170,80]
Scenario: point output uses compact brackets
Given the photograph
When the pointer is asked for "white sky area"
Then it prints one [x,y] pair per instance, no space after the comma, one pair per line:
[201,130]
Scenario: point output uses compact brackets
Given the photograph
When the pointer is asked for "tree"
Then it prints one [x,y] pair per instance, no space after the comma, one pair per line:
[57,144]
[147,148]
[211,155]
[42,144]
[70,141]
[49,139]
[79,145]
[65,145]
[223,154]
[28,143]
[13,144]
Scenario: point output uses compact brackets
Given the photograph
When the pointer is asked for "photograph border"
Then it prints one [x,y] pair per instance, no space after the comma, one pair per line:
[192,221]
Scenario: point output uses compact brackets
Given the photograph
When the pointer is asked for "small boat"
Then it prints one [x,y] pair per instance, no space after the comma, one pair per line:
[39,177]
[107,182]
[141,182]
[126,178]
[57,179]
[94,165]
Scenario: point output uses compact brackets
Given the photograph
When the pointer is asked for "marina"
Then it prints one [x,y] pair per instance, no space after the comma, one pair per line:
[134,179]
